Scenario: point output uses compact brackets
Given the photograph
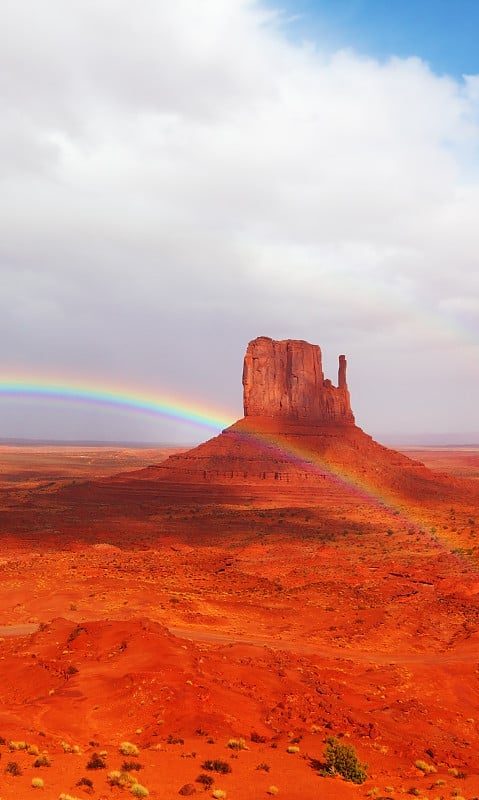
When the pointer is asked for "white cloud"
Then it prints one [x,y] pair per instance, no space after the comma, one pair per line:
[176,179]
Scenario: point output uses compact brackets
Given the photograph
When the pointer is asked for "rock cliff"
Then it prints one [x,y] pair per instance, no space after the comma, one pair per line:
[285,379]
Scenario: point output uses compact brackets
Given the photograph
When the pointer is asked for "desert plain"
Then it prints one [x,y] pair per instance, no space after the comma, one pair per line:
[242,627]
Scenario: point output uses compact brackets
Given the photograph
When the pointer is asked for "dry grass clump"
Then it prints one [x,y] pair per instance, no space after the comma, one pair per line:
[219,794]
[139,791]
[216,765]
[37,783]
[17,746]
[237,744]
[129,749]
[292,748]
[122,779]
[424,766]
[13,768]
[42,761]
[273,790]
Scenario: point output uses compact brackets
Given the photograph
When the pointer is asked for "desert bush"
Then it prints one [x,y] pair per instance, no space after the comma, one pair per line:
[256,737]
[206,780]
[96,762]
[13,768]
[17,745]
[341,759]
[42,761]
[237,744]
[424,766]
[139,791]
[292,748]
[129,749]
[263,766]
[85,782]
[174,739]
[33,750]
[37,783]
[130,766]
[216,765]
[219,794]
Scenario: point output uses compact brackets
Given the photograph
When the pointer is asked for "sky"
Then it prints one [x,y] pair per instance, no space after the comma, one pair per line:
[179,178]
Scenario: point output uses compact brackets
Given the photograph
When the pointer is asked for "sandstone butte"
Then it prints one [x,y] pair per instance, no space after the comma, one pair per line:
[298,431]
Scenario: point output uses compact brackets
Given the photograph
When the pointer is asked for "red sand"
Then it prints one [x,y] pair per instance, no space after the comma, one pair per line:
[178,621]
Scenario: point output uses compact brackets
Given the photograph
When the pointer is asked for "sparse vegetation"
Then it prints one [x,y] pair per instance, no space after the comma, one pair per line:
[13,768]
[85,782]
[341,759]
[257,738]
[129,749]
[96,762]
[237,744]
[42,761]
[425,767]
[130,766]
[138,790]
[206,780]
[216,765]
[263,766]
[17,746]
[171,740]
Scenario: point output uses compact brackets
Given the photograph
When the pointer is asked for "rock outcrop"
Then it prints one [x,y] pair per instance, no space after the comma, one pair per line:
[285,379]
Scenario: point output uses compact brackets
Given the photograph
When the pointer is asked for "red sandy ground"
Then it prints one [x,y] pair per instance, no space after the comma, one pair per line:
[178,622]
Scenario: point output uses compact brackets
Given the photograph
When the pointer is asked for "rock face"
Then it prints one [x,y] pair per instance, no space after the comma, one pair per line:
[284,379]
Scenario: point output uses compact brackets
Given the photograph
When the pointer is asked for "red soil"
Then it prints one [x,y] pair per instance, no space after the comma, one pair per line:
[179,618]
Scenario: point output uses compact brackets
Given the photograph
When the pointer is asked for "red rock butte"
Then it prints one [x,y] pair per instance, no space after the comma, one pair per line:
[285,380]
[298,434]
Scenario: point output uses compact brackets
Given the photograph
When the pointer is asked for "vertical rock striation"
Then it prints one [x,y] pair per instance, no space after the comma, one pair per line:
[284,379]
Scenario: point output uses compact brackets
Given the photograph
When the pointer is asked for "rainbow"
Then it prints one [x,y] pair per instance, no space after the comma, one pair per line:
[113,397]
[145,403]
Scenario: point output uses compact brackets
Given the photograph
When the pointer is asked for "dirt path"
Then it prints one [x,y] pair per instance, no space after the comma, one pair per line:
[362,656]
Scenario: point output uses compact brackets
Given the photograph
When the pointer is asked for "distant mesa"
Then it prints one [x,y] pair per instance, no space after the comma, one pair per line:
[284,379]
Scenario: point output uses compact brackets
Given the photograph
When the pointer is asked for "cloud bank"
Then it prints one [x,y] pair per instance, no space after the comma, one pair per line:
[176,179]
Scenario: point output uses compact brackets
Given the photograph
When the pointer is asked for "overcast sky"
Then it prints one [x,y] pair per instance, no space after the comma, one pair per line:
[177,178]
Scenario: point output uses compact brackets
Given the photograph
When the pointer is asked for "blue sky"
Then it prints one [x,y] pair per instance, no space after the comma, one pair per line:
[441,32]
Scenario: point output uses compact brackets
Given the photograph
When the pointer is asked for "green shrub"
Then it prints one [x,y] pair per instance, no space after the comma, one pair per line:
[341,759]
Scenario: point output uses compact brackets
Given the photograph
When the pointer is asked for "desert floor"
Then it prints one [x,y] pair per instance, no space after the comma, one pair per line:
[180,623]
